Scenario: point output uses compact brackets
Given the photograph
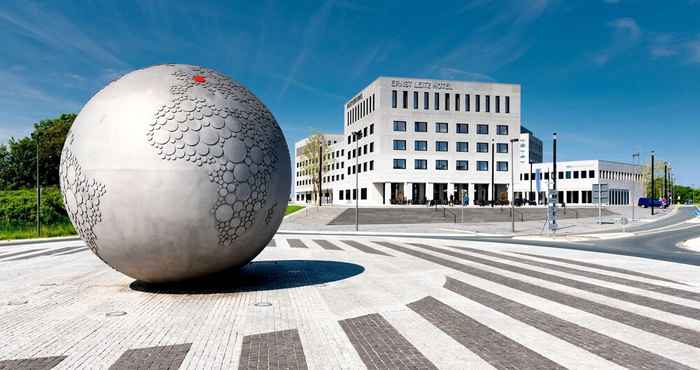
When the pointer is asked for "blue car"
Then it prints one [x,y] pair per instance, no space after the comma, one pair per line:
[647,202]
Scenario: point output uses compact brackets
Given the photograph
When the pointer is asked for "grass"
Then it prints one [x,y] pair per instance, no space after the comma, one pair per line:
[292,208]
[29,231]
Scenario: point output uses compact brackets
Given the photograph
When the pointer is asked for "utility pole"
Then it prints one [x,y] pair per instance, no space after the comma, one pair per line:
[666,180]
[38,191]
[320,171]
[358,136]
[554,168]
[653,184]
[512,181]
[528,196]
[635,160]
[493,172]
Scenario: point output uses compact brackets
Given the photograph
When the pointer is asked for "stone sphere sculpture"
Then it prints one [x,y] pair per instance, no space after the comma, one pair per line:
[173,172]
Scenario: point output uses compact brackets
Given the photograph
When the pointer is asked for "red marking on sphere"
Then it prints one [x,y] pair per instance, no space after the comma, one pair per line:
[199,79]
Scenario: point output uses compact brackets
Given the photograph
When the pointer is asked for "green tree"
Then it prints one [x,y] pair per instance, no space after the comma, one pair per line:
[658,177]
[311,152]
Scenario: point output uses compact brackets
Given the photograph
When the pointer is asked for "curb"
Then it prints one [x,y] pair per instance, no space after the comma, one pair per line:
[387,233]
[9,243]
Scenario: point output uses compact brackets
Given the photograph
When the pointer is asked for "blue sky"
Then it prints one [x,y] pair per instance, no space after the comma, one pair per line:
[612,77]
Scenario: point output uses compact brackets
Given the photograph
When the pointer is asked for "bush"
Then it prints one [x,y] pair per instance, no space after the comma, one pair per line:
[18,208]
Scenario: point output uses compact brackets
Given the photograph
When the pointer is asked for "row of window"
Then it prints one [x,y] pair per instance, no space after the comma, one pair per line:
[353,138]
[356,152]
[359,110]
[590,174]
[443,146]
[443,128]
[330,178]
[442,164]
[345,194]
[450,101]
[361,167]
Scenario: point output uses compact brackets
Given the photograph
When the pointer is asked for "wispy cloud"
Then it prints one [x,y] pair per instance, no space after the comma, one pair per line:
[304,86]
[312,32]
[458,74]
[694,51]
[626,33]
[665,45]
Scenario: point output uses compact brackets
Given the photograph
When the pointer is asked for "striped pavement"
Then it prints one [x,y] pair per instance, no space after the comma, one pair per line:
[366,302]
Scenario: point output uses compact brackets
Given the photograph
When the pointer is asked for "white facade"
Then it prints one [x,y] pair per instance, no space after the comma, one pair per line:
[576,179]
[398,117]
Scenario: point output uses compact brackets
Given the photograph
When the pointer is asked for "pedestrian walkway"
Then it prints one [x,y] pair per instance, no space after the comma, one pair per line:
[320,302]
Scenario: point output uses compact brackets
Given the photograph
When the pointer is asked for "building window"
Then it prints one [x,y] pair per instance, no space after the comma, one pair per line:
[415,100]
[466,103]
[371,147]
[441,146]
[399,164]
[420,164]
[591,174]
[502,166]
[447,101]
[576,174]
[583,174]
[371,165]
[363,193]
[364,167]
[482,147]
[393,98]
[488,103]
[405,99]
[364,132]
[507,104]
[399,125]
[568,174]
[501,148]
[560,176]
[498,104]
[420,145]
[462,146]
[354,194]
[340,195]
[462,128]
[421,127]
[437,101]
[441,127]
[457,96]
[371,129]
[477,103]
[441,164]
[364,149]
[462,165]
[399,144]
[426,100]
[482,129]
[501,129]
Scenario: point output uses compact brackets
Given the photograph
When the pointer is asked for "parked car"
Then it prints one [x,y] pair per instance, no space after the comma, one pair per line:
[648,202]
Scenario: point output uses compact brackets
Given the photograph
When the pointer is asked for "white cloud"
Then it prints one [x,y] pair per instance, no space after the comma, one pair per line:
[694,51]
[458,74]
[626,33]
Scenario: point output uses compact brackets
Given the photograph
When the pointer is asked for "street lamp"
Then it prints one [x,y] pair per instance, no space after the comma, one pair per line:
[493,173]
[512,181]
[635,160]
[653,183]
[357,135]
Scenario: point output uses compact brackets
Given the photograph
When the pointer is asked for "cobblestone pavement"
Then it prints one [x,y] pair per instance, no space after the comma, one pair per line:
[322,302]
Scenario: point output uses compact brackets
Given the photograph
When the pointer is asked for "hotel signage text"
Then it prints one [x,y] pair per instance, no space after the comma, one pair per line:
[434,85]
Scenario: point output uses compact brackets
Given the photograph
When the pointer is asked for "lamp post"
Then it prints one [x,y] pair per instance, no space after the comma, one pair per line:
[358,135]
[320,172]
[528,196]
[38,191]
[512,181]
[653,183]
[554,175]
[635,160]
[493,173]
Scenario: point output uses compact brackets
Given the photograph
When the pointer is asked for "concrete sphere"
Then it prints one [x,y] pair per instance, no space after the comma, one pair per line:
[175,171]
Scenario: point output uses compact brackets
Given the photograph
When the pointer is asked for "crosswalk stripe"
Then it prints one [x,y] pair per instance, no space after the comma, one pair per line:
[37,363]
[161,357]
[47,253]
[325,244]
[6,255]
[381,346]
[641,300]
[611,349]
[600,267]
[651,325]
[79,250]
[593,275]
[296,243]
[273,350]
[498,350]
[365,248]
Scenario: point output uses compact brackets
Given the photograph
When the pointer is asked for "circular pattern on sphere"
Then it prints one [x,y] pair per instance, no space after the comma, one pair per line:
[191,119]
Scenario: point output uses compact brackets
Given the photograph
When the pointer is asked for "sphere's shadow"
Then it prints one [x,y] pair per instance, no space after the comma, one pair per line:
[258,276]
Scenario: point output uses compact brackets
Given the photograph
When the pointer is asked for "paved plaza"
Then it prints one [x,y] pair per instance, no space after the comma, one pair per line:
[323,302]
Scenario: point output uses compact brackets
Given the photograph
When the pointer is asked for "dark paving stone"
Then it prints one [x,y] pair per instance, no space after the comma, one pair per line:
[593,275]
[47,253]
[674,332]
[325,244]
[601,267]
[420,215]
[296,243]
[274,350]
[493,347]
[641,300]
[73,252]
[38,363]
[272,243]
[611,349]
[381,346]
[21,253]
[162,357]
[365,248]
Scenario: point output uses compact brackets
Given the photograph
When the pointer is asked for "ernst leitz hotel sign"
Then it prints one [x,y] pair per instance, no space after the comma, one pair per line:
[410,84]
